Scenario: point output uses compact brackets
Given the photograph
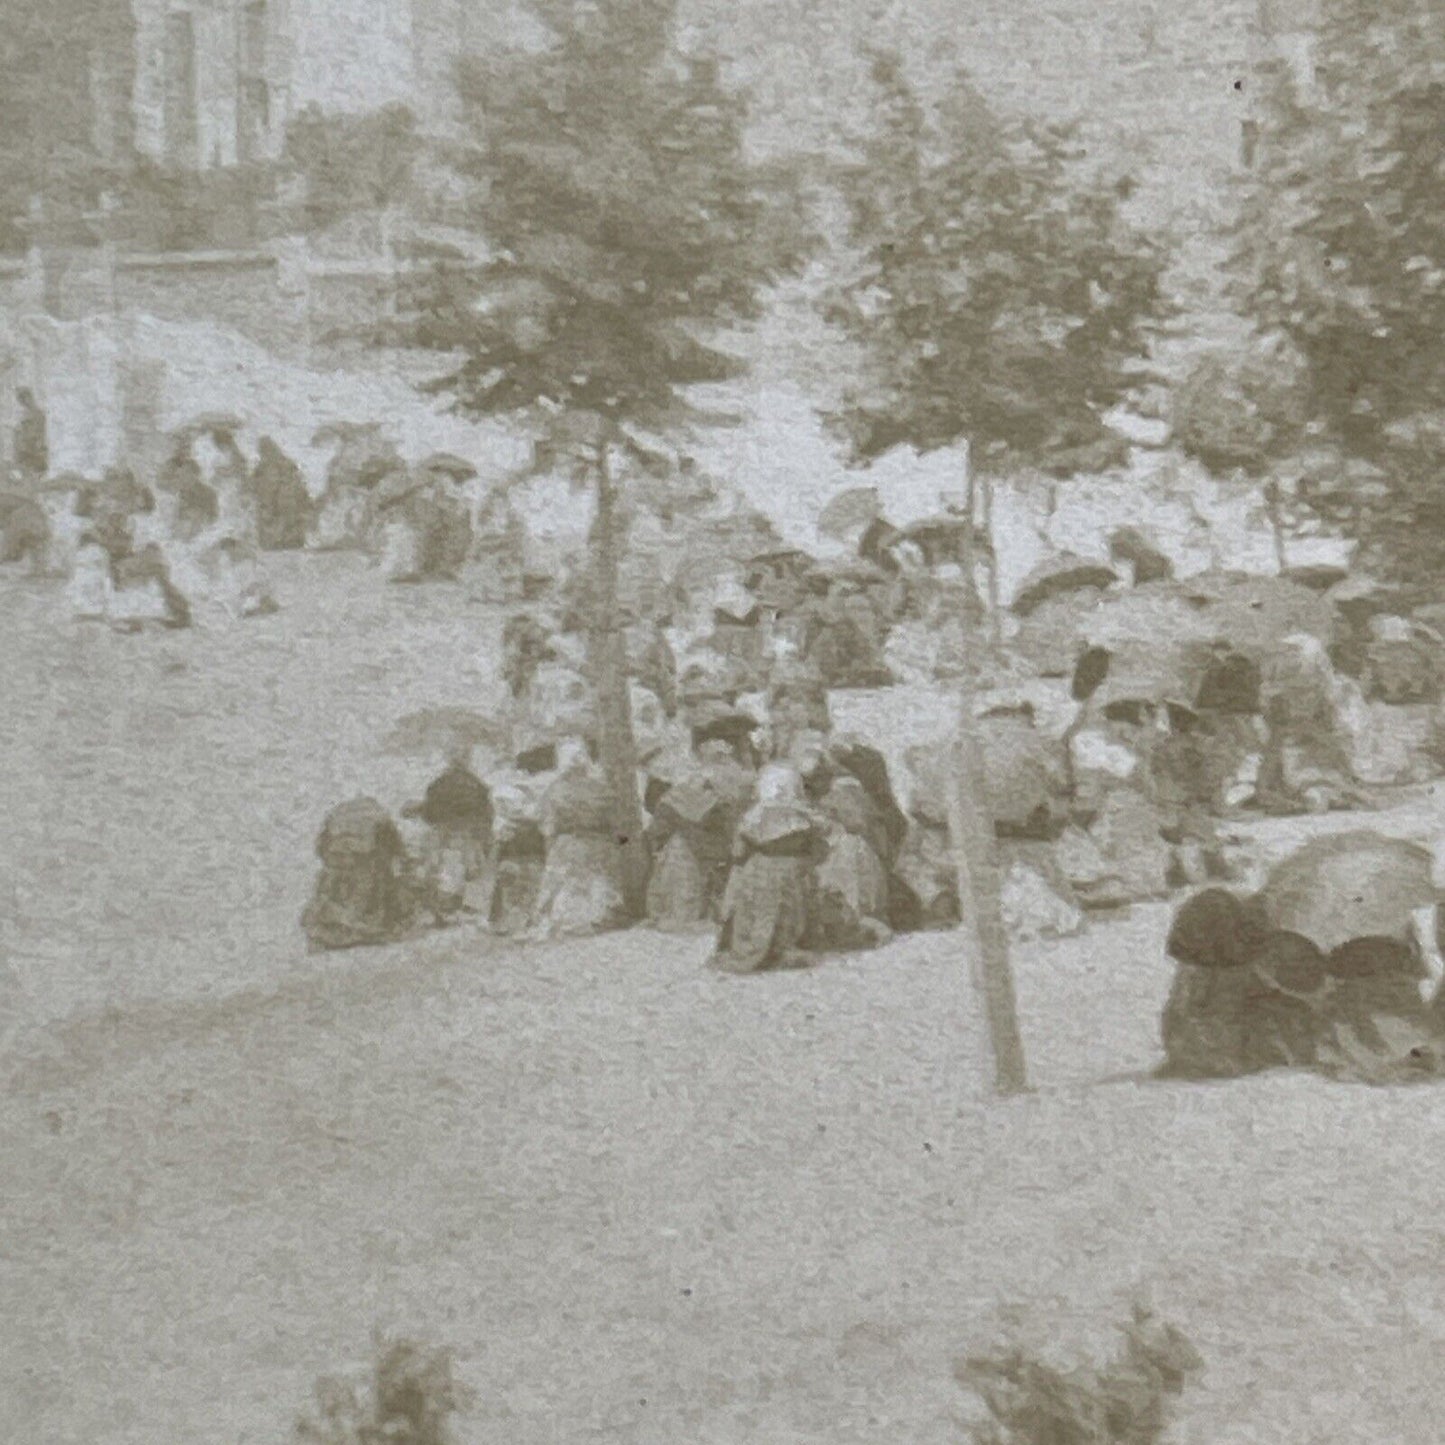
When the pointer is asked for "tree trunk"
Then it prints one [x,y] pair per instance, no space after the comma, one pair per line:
[1274,507]
[616,743]
[990,560]
[980,895]
[975,856]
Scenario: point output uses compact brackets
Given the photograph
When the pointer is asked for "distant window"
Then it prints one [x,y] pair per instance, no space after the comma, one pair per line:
[104,113]
[253,109]
[179,105]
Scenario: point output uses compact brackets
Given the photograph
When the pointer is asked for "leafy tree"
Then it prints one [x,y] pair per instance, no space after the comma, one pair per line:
[1340,256]
[998,299]
[626,228]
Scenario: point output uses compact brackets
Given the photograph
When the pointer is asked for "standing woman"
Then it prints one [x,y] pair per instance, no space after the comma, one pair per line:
[767,913]
[581,887]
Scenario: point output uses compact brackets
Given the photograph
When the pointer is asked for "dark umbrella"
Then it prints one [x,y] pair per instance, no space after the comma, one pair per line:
[448,464]
[1217,929]
[1350,886]
[1318,576]
[1064,573]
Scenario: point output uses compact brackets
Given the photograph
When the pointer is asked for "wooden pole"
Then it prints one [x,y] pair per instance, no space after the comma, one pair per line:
[616,743]
[975,855]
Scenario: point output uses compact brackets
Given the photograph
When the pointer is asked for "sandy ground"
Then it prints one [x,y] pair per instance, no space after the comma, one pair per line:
[642,1201]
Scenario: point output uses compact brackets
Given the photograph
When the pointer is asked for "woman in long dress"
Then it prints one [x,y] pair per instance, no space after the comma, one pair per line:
[852,885]
[768,910]
[364,894]
[697,815]
[581,887]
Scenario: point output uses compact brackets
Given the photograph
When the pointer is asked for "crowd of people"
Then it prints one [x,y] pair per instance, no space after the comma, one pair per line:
[190,534]
[1326,967]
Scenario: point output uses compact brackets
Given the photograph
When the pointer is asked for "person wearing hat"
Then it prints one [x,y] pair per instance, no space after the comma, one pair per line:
[768,908]
[284,509]
[191,504]
[1215,940]
[711,720]
[457,811]
[852,903]
[30,445]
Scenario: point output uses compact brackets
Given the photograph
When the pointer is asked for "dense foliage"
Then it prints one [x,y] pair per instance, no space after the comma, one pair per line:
[625,224]
[623,228]
[1341,258]
[999,295]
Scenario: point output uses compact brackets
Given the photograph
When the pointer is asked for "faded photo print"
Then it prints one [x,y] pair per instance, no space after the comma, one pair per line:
[722,724]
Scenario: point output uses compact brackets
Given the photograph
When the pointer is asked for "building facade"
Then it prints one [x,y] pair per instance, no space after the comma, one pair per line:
[217,81]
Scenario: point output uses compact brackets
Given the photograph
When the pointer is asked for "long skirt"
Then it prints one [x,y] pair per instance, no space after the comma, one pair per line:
[581,887]
[852,896]
[924,888]
[365,903]
[767,914]
[1225,1022]
[341,522]
[512,897]
[678,895]
[89,589]
[1203,1025]
[402,546]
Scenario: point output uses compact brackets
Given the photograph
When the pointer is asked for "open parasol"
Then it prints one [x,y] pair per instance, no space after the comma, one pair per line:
[1217,929]
[346,431]
[690,802]
[1152,676]
[768,825]
[1354,885]
[443,729]
[211,423]
[850,512]
[1063,573]
[449,465]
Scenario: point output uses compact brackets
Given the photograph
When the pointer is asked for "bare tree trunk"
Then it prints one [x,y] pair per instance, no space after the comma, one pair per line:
[975,855]
[1274,508]
[990,560]
[980,895]
[616,743]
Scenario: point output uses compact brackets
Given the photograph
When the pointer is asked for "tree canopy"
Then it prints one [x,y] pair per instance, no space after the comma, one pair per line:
[1340,256]
[998,297]
[625,226]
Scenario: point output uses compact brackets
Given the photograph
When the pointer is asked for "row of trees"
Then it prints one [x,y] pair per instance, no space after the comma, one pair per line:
[987,291]
[1339,265]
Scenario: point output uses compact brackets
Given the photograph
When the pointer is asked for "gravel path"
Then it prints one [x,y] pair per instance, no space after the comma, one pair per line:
[644,1202]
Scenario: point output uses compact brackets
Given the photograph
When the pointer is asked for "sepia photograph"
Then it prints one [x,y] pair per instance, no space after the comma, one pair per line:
[723,724]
